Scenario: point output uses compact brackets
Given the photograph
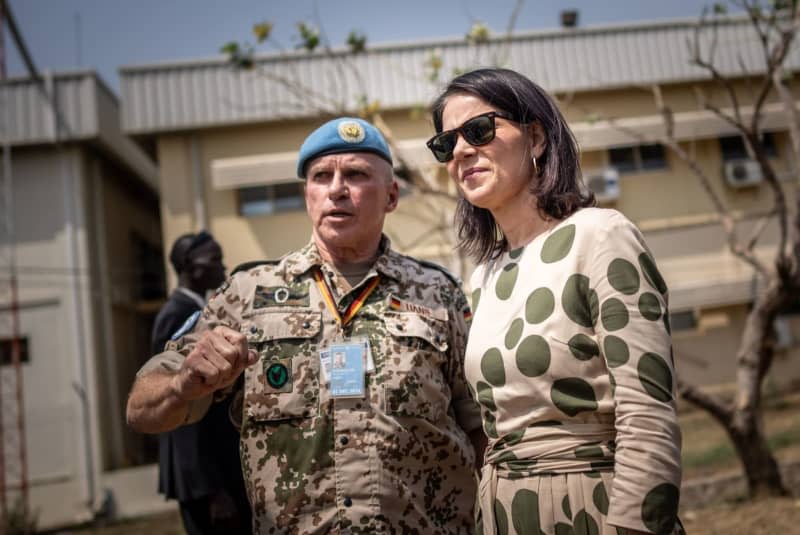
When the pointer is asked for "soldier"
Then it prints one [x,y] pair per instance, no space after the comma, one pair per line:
[383,442]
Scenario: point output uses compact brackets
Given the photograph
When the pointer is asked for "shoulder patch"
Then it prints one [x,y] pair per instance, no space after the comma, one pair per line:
[251,264]
[187,326]
[455,280]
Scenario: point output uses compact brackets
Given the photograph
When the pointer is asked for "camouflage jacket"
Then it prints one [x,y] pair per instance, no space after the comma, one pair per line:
[397,460]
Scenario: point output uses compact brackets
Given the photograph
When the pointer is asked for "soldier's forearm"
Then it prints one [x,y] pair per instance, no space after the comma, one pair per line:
[154,405]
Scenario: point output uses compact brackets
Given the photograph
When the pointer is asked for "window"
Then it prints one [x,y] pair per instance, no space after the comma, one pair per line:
[638,158]
[732,147]
[6,348]
[264,200]
[148,283]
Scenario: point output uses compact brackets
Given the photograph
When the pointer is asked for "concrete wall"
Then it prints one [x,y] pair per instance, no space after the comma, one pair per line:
[74,211]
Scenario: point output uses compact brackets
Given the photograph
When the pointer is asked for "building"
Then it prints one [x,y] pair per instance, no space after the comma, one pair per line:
[226,141]
[87,240]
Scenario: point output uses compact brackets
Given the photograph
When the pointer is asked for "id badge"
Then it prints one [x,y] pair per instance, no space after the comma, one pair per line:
[370,363]
[325,365]
[348,369]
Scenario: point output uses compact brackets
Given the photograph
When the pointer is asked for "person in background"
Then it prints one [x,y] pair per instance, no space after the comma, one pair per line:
[569,350]
[199,463]
[356,416]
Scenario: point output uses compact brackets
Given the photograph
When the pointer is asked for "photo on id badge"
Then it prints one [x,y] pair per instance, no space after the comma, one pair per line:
[347,371]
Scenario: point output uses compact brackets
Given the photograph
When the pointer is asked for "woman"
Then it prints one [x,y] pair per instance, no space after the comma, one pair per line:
[569,352]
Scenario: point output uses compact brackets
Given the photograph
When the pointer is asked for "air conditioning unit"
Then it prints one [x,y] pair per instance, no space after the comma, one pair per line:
[604,184]
[743,173]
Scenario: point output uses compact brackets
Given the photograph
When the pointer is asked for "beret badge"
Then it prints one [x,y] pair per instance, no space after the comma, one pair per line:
[351,132]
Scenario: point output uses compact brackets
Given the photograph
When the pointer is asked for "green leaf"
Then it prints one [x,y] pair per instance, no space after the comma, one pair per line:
[309,35]
[356,41]
[720,8]
[478,34]
[231,48]
[262,31]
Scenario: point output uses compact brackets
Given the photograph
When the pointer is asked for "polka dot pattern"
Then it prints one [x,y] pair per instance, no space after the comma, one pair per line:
[584,524]
[616,351]
[582,347]
[573,395]
[566,508]
[506,281]
[655,376]
[600,498]
[660,508]
[489,424]
[492,367]
[613,314]
[563,529]
[514,437]
[525,512]
[514,333]
[557,246]
[651,273]
[649,306]
[485,396]
[533,356]
[476,298]
[539,306]
[560,303]
[623,276]
[500,518]
[579,300]
[589,452]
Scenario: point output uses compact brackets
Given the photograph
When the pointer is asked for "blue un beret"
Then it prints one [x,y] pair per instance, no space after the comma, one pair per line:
[345,134]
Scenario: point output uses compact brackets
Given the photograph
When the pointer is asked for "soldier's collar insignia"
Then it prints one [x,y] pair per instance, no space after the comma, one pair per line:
[351,132]
[277,375]
[395,303]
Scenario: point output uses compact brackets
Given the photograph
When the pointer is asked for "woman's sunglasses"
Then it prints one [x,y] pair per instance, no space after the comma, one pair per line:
[477,131]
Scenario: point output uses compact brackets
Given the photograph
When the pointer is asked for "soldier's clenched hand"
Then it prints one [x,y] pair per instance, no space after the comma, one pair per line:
[215,362]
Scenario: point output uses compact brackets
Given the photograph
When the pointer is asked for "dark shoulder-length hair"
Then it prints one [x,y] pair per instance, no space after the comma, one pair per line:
[558,187]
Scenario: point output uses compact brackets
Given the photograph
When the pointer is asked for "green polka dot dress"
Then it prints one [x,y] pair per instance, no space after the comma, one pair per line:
[569,356]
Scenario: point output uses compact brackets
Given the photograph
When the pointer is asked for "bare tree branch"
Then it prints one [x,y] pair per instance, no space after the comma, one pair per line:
[758,230]
[694,395]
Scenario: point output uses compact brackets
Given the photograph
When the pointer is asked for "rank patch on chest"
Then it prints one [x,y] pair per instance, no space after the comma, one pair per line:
[395,303]
[281,296]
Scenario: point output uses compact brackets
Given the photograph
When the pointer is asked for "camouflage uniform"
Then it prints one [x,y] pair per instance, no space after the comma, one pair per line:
[397,461]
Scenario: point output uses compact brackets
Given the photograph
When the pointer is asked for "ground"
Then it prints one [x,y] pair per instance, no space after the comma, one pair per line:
[706,451]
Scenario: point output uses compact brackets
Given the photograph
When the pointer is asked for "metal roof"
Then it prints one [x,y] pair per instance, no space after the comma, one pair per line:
[89,109]
[202,93]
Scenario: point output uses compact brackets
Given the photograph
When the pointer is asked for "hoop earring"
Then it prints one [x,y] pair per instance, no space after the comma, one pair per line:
[535,167]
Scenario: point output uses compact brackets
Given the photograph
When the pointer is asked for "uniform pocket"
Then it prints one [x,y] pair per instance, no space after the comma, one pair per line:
[414,379]
[284,384]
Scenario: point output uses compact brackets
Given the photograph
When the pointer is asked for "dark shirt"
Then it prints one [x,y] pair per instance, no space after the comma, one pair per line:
[200,459]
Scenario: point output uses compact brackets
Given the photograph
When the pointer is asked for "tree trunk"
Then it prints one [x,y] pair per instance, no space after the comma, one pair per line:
[746,427]
[760,467]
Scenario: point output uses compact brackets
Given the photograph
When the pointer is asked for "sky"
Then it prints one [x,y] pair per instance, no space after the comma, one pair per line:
[106,34]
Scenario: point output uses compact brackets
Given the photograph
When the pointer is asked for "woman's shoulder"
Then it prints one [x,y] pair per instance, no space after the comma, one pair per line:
[597,216]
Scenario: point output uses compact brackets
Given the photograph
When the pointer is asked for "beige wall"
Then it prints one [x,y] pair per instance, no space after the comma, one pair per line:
[270,236]
[670,205]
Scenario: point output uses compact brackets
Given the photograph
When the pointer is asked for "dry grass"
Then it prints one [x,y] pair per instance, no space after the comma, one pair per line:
[775,516]
[707,450]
